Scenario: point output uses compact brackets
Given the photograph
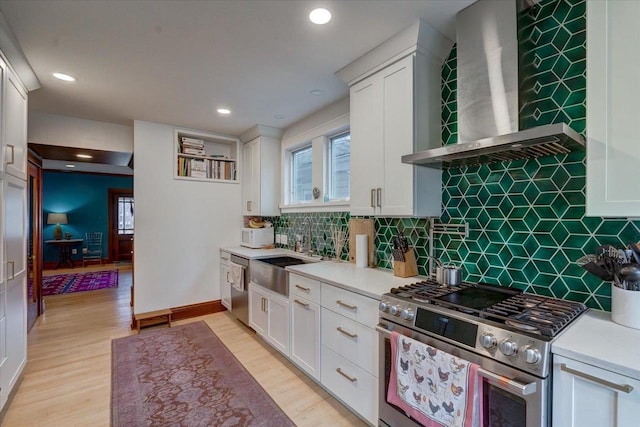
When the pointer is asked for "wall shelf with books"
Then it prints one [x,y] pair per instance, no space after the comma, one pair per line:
[205,157]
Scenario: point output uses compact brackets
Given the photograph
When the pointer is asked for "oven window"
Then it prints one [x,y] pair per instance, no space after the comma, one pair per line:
[503,409]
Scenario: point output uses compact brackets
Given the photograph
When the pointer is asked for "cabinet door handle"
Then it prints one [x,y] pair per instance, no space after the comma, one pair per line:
[228,281]
[13,269]
[373,197]
[303,288]
[249,206]
[264,305]
[302,303]
[350,378]
[349,334]
[625,388]
[379,197]
[13,159]
[350,307]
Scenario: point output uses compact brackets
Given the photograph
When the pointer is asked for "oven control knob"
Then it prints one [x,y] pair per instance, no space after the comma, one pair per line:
[394,310]
[530,354]
[383,306]
[508,347]
[407,314]
[488,341]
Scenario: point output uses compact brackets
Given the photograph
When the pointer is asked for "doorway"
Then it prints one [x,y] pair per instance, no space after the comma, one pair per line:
[34,240]
[121,214]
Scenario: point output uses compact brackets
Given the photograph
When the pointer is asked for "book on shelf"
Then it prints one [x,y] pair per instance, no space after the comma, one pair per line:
[192,141]
[196,151]
[198,174]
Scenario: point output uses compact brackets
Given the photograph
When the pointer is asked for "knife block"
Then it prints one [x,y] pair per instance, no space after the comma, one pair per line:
[408,268]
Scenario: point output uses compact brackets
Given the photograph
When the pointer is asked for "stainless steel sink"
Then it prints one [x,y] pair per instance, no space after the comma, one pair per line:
[270,273]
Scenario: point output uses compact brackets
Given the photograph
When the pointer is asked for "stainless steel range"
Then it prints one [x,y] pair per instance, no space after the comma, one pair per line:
[506,332]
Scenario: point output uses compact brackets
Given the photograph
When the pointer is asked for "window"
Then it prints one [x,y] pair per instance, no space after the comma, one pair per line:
[339,167]
[301,175]
[125,215]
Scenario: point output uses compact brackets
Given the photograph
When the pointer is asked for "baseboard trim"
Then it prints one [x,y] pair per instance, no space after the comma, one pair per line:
[12,394]
[192,310]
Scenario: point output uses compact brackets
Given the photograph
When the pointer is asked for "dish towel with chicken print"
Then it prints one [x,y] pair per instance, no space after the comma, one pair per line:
[433,387]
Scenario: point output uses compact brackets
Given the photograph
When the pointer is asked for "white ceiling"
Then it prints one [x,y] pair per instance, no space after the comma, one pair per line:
[175,62]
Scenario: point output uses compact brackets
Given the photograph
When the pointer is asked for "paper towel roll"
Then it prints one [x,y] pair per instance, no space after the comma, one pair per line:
[362,250]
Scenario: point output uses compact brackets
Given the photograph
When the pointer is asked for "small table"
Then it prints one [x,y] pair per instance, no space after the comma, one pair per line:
[64,250]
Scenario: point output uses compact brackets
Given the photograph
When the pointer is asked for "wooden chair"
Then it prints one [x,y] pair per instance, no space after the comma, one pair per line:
[92,250]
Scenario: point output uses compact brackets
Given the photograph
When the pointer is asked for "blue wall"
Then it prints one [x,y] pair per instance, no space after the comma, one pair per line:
[84,198]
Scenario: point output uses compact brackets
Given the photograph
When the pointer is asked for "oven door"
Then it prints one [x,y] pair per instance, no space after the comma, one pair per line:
[510,397]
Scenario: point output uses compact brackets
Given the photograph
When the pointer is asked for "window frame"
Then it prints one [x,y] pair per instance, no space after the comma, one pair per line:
[292,172]
[329,163]
[318,138]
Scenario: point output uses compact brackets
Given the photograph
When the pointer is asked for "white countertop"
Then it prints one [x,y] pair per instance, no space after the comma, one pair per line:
[265,253]
[596,340]
[371,282]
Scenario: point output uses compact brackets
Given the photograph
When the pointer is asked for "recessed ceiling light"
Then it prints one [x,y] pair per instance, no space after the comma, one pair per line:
[316,92]
[84,156]
[278,117]
[224,111]
[64,77]
[320,16]
[70,166]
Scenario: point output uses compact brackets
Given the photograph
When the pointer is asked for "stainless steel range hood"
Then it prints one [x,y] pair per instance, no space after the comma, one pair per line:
[487,96]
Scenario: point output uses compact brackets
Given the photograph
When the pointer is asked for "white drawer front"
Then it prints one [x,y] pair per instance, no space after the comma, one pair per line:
[305,287]
[351,340]
[354,306]
[225,257]
[354,386]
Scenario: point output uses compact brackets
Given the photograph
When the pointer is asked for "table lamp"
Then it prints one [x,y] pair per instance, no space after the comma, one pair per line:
[57,219]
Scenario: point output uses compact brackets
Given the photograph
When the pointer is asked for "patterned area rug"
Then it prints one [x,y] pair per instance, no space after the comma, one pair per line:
[185,376]
[79,282]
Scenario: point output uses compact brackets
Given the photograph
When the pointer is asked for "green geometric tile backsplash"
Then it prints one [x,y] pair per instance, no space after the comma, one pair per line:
[527,223]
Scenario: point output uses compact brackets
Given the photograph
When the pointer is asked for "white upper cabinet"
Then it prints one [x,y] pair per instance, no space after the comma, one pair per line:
[261,172]
[613,90]
[14,123]
[395,110]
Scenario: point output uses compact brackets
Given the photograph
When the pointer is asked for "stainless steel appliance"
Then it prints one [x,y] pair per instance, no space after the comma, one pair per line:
[506,332]
[270,273]
[240,294]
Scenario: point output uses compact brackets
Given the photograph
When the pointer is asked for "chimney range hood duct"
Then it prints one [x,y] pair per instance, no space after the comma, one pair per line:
[487,96]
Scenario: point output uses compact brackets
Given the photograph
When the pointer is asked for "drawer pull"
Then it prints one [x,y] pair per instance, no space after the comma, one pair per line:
[626,388]
[301,303]
[350,307]
[303,288]
[349,334]
[13,154]
[352,379]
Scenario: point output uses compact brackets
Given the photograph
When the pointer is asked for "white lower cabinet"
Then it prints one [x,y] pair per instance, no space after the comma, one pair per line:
[587,396]
[225,284]
[350,383]
[269,316]
[305,335]
[350,339]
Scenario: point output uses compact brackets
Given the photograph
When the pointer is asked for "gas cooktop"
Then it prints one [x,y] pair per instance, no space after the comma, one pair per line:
[522,311]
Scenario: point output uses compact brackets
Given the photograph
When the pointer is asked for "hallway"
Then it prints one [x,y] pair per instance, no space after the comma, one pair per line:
[67,379]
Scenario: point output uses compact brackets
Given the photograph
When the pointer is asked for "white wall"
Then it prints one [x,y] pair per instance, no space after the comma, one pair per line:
[317,119]
[180,226]
[65,131]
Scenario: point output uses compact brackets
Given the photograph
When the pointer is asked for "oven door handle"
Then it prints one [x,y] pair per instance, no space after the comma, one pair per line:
[508,384]
[495,379]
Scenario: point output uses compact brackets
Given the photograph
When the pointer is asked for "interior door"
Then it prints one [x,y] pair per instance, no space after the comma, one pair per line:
[34,244]
[121,214]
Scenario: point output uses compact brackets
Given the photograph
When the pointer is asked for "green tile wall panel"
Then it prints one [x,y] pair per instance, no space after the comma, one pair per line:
[526,218]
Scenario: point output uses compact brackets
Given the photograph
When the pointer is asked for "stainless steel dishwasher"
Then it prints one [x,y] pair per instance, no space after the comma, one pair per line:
[240,298]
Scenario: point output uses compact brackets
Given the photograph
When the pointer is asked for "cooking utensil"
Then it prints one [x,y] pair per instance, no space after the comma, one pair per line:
[630,273]
[635,250]
[448,275]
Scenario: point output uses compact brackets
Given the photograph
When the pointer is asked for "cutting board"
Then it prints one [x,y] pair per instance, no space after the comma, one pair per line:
[361,226]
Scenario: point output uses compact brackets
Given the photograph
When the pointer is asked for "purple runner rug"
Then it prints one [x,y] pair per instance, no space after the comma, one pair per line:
[79,282]
[185,376]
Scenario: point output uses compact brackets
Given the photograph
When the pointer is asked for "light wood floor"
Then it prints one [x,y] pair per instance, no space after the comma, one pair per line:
[67,380]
